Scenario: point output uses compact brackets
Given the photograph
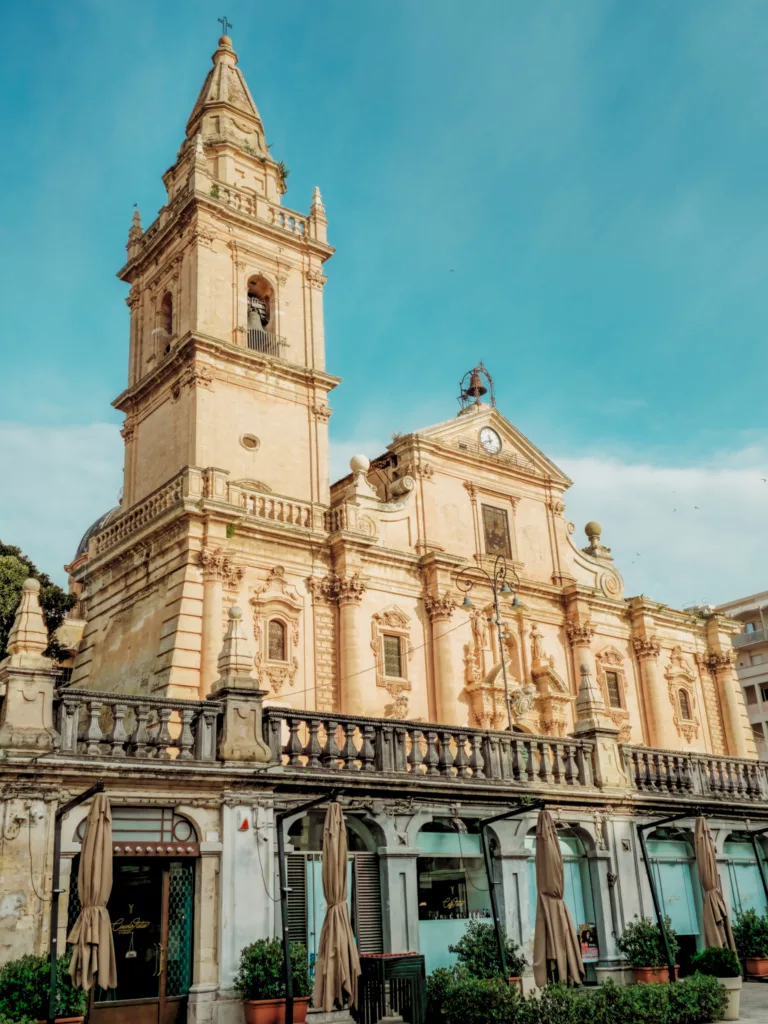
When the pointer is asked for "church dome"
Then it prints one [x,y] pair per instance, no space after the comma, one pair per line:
[94,528]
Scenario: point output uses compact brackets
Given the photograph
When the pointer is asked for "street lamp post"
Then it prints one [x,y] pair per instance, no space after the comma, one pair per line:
[499,583]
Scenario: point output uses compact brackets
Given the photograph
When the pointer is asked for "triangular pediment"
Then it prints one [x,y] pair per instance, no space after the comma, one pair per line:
[462,434]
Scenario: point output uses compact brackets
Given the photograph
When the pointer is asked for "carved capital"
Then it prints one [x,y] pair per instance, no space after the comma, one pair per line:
[557,508]
[439,608]
[646,647]
[719,661]
[579,634]
[321,412]
[322,589]
[471,490]
[196,375]
[349,589]
[217,567]
[316,279]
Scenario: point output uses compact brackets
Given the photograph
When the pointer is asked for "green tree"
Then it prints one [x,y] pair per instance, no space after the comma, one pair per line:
[15,567]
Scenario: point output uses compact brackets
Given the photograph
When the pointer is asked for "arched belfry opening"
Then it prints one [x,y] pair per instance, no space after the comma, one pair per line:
[262,326]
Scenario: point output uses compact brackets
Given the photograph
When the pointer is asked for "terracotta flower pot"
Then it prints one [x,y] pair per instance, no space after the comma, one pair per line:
[272,1011]
[66,1020]
[756,966]
[515,980]
[652,975]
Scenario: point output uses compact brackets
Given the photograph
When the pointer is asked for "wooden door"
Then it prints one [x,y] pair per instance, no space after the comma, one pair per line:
[151,913]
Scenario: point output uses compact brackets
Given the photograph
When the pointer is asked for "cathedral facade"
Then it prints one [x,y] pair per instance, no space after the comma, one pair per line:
[426,633]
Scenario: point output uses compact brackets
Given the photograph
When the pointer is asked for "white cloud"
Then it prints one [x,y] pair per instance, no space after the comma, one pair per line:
[682,535]
[55,482]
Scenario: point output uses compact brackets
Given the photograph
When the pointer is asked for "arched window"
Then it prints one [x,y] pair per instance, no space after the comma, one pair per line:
[165,315]
[276,640]
[261,335]
[685,705]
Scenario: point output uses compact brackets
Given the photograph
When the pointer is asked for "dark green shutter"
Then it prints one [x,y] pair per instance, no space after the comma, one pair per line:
[368,903]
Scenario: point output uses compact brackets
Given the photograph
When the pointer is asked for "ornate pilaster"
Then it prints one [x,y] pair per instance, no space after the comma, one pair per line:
[720,665]
[447,668]
[579,634]
[647,649]
[348,591]
[440,609]
[218,571]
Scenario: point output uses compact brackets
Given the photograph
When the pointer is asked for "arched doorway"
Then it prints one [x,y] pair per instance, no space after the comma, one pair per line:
[152,913]
[578,895]
[744,886]
[306,901]
[453,887]
[670,851]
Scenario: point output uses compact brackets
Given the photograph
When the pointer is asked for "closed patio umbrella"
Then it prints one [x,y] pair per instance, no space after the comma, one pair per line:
[554,937]
[717,927]
[337,967]
[94,950]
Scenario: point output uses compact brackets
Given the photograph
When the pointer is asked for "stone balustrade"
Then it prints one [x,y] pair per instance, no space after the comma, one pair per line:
[277,508]
[320,743]
[260,208]
[672,772]
[114,725]
[140,514]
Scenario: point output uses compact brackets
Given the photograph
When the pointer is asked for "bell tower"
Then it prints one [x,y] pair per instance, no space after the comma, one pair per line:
[227,358]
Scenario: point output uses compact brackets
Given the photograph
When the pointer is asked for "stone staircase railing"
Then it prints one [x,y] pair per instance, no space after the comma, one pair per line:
[115,725]
[316,742]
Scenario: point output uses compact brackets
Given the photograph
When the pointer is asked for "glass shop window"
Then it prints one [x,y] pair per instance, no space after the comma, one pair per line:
[393,656]
[614,690]
[496,530]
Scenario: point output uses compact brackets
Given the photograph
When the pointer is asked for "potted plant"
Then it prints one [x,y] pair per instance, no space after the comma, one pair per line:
[261,982]
[751,934]
[24,991]
[642,944]
[724,965]
[478,953]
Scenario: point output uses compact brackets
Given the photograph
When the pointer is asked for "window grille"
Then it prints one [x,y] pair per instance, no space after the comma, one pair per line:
[685,705]
[276,636]
[147,825]
[614,691]
[393,656]
[496,529]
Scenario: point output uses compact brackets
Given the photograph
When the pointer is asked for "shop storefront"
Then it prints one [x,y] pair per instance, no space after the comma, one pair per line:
[741,880]
[674,870]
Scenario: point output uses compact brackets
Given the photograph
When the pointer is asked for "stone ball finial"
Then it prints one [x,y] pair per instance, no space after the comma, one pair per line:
[584,669]
[593,529]
[359,464]
[225,41]
[30,583]
[235,612]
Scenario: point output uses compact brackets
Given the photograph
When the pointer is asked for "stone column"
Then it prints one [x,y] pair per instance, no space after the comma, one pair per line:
[350,590]
[657,706]
[580,637]
[449,680]
[735,720]
[26,714]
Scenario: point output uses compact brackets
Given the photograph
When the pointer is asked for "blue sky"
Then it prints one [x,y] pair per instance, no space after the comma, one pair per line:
[573,192]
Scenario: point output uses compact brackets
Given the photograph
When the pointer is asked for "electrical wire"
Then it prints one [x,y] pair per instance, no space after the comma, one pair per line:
[275,899]
[43,899]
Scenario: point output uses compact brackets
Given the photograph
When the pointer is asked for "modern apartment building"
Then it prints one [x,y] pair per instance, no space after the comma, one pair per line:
[752,660]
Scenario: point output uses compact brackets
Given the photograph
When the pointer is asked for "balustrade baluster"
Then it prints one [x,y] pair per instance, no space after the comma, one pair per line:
[163,738]
[118,737]
[520,760]
[571,767]
[476,762]
[491,755]
[349,750]
[313,750]
[415,755]
[69,711]
[557,762]
[93,735]
[461,761]
[186,738]
[385,757]
[445,762]
[430,757]
[331,755]
[205,736]
[398,749]
[141,741]
[586,775]
[367,752]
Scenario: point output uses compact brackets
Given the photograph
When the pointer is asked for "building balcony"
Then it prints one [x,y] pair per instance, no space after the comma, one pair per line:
[755,636]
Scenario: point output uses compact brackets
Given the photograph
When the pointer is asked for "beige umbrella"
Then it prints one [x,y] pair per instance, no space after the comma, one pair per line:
[337,967]
[717,927]
[554,938]
[94,950]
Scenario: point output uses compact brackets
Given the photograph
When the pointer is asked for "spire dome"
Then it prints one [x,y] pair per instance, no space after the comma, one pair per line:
[224,95]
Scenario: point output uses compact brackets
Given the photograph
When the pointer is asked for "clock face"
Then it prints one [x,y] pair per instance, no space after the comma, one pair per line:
[490,441]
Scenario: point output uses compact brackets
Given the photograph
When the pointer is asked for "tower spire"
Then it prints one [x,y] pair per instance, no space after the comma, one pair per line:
[225,94]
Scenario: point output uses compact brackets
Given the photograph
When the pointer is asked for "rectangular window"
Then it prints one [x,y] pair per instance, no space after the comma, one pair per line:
[757,732]
[756,659]
[614,690]
[750,627]
[764,694]
[750,694]
[496,529]
[393,656]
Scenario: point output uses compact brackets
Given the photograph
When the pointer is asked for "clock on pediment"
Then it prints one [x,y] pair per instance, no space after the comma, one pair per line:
[490,441]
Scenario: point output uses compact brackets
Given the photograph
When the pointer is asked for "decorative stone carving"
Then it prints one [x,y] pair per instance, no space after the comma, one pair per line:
[557,508]
[196,375]
[595,548]
[611,660]
[553,697]
[322,412]
[392,621]
[717,661]
[440,608]
[681,678]
[579,634]
[398,708]
[322,588]
[216,565]
[276,602]
[646,647]
[349,588]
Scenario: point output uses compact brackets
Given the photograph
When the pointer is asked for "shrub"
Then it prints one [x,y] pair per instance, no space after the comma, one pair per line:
[717,963]
[261,970]
[558,1004]
[751,934]
[472,1000]
[642,944]
[438,984]
[696,1000]
[478,951]
[24,989]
